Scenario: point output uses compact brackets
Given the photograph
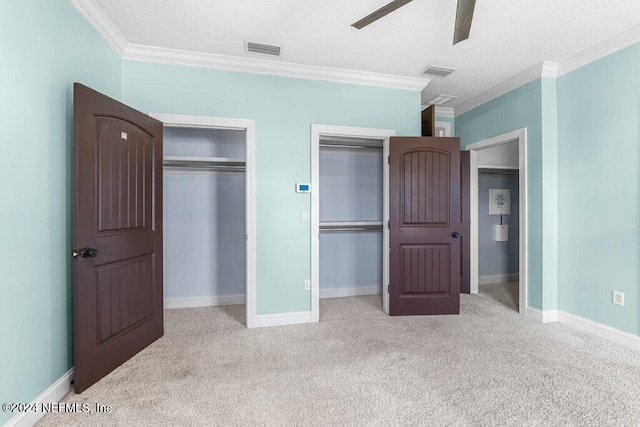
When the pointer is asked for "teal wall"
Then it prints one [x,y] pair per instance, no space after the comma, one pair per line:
[45,46]
[599,189]
[520,108]
[449,120]
[284,110]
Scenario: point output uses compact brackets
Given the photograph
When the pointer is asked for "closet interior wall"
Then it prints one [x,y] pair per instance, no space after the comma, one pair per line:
[204,214]
[351,212]
[498,261]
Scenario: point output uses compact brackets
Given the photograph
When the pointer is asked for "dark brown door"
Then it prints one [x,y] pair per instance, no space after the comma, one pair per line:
[465,217]
[118,234]
[425,226]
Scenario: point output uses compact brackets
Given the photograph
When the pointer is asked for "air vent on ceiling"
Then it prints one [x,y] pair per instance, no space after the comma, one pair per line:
[441,99]
[437,71]
[264,49]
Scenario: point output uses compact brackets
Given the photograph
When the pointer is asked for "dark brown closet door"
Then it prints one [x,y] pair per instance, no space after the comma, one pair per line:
[425,226]
[117,234]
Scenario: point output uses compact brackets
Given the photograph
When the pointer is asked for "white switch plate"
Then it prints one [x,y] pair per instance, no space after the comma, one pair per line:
[307,285]
[304,216]
[618,298]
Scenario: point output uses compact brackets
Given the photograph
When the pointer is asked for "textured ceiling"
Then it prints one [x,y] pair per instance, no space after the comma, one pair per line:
[507,36]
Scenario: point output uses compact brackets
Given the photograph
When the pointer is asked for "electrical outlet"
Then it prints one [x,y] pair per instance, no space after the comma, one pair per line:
[304,216]
[618,298]
[307,285]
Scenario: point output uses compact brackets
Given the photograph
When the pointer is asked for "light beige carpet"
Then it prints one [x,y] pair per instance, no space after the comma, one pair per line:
[488,366]
[502,293]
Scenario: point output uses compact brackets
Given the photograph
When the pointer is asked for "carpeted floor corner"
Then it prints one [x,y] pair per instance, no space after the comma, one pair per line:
[487,366]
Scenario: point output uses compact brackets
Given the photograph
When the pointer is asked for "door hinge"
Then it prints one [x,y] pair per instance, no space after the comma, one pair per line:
[388,287]
[389,225]
[389,160]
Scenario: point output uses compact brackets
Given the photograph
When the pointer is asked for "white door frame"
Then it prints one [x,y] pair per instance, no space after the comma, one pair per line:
[249,126]
[354,132]
[519,135]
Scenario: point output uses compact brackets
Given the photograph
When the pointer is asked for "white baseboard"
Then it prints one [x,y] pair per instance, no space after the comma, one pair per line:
[241,299]
[598,329]
[498,278]
[349,292]
[585,325]
[52,394]
[542,316]
[281,319]
[204,301]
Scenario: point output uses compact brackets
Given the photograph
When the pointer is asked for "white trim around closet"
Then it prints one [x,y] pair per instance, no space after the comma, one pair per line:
[519,135]
[344,132]
[249,126]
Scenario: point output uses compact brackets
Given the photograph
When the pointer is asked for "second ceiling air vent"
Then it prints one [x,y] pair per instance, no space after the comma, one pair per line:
[261,48]
[437,71]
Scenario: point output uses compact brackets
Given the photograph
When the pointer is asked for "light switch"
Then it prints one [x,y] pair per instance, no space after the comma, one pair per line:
[304,216]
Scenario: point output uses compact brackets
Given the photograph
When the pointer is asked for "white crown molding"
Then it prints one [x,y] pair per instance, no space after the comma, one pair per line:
[102,23]
[274,68]
[549,69]
[444,112]
[554,69]
[440,111]
[619,42]
[105,27]
[544,69]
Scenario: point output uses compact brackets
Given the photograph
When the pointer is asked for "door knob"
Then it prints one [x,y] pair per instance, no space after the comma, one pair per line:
[88,252]
[456,235]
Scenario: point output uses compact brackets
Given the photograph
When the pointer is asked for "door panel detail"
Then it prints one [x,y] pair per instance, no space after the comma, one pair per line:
[425,187]
[425,269]
[124,295]
[125,167]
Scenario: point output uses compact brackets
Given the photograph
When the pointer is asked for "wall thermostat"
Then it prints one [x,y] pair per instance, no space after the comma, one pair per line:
[303,187]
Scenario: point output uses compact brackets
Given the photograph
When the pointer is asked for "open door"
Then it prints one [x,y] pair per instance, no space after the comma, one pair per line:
[465,218]
[425,225]
[117,271]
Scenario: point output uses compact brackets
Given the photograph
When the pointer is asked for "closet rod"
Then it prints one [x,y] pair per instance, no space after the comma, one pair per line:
[356,146]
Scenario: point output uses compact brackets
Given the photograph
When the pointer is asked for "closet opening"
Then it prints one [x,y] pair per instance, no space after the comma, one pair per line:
[498,251]
[208,213]
[349,213]
[498,235]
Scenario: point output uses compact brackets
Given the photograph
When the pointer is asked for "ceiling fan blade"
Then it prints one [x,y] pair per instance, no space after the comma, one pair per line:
[383,11]
[464,15]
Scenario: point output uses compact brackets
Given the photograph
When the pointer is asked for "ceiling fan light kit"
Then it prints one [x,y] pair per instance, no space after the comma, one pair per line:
[464,16]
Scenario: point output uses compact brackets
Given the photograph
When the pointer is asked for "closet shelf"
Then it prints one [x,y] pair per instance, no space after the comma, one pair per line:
[204,162]
[350,226]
